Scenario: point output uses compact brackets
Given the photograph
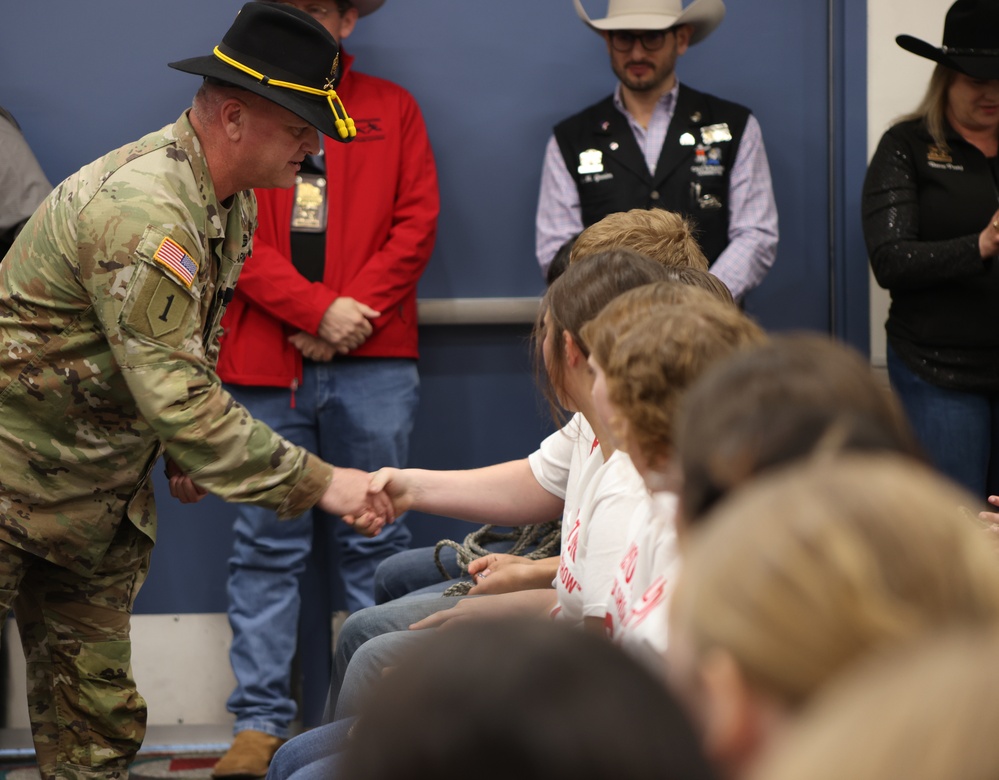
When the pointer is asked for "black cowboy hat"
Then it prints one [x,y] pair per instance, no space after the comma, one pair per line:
[286,56]
[970,40]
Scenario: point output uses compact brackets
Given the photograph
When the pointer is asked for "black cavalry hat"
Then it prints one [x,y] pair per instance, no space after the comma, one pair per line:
[970,40]
[286,56]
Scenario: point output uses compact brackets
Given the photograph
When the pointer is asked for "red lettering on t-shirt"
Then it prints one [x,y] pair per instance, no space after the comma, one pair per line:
[569,582]
[652,598]
[572,543]
[620,601]
[629,562]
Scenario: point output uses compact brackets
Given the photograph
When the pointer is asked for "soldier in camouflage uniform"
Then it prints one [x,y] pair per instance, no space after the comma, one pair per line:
[109,307]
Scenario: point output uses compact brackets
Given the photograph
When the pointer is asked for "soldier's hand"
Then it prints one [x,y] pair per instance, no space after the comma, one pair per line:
[367,524]
[182,487]
[349,497]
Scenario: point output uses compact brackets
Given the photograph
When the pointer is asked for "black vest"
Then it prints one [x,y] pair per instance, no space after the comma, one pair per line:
[692,174]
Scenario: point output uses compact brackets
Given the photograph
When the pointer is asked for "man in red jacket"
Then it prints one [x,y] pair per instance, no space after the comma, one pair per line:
[321,343]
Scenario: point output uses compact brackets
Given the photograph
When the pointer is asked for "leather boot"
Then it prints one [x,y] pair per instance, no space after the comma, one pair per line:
[249,755]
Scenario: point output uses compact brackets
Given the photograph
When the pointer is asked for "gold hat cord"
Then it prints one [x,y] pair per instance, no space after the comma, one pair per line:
[345,126]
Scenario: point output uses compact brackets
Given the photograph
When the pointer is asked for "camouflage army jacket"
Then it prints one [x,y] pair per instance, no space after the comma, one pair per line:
[109,307]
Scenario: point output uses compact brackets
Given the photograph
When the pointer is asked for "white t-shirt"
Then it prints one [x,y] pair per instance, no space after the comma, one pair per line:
[636,614]
[557,463]
[594,533]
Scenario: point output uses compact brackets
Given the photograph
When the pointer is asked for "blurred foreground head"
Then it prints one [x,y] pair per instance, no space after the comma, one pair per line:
[794,396]
[525,700]
[803,572]
[926,713]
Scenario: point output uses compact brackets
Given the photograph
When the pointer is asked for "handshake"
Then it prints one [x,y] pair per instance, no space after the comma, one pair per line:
[365,501]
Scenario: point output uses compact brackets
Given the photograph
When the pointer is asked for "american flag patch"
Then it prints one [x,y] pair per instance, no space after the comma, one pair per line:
[172,255]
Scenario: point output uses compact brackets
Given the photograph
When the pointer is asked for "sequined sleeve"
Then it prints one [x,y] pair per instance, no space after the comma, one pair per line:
[891,226]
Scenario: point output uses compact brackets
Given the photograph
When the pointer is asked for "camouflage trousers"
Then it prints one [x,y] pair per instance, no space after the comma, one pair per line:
[87,719]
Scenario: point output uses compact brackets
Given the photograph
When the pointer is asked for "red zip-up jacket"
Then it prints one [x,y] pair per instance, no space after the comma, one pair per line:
[383,207]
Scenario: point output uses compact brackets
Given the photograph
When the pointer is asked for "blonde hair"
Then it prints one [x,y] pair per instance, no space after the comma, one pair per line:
[652,343]
[932,109]
[695,277]
[666,237]
[803,572]
[923,714]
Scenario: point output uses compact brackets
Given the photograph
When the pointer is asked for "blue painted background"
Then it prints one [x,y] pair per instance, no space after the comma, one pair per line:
[492,78]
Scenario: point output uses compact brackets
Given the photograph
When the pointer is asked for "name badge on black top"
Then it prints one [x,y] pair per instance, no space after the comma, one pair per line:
[309,212]
[715,134]
[591,161]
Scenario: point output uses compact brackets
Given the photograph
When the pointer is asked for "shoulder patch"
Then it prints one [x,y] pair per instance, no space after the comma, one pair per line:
[172,256]
[158,307]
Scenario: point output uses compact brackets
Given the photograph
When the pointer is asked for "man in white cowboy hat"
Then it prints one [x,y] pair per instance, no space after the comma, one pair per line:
[321,343]
[656,143]
[111,298]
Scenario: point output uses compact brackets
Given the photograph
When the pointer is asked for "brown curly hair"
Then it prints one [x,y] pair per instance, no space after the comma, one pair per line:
[656,351]
[635,305]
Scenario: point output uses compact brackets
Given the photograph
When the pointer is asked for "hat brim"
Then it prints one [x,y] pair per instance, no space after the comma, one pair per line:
[313,109]
[365,7]
[702,15]
[978,67]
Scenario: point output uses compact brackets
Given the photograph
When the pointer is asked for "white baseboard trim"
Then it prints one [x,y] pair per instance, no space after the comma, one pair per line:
[180,663]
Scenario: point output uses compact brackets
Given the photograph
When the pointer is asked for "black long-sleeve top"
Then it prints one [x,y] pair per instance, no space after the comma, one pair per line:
[923,208]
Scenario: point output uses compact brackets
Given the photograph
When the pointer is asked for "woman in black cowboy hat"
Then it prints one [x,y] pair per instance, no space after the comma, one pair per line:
[932,230]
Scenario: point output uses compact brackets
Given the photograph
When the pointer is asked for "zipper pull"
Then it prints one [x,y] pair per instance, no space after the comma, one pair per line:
[294,387]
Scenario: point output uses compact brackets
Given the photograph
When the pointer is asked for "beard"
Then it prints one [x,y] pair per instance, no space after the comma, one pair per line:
[652,77]
[655,68]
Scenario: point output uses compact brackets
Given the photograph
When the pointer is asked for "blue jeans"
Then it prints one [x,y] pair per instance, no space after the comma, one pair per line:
[314,755]
[958,430]
[351,412]
[370,641]
[415,572]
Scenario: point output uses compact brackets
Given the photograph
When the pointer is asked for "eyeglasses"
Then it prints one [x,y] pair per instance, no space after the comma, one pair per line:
[624,40]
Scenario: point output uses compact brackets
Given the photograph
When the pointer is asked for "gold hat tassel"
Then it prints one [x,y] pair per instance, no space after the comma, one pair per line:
[344,125]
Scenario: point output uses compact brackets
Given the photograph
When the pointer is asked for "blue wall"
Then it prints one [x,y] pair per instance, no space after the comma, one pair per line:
[492,79]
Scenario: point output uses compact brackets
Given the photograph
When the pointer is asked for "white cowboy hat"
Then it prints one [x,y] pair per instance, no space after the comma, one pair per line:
[702,15]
